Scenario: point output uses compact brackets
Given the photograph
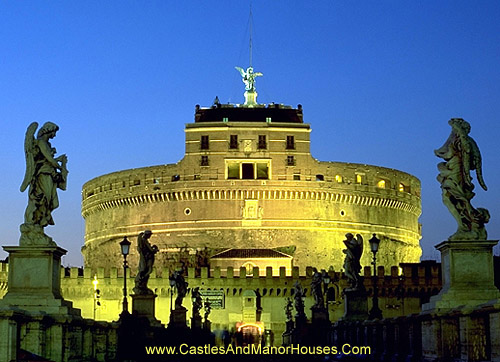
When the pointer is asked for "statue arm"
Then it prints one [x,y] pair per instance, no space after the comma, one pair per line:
[47,153]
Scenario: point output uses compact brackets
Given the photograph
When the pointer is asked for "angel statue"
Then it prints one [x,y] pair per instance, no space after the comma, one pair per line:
[146,261]
[352,259]
[45,173]
[461,156]
[248,77]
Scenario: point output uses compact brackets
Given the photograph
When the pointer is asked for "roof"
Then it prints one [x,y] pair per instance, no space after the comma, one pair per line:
[229,113]
[250,254]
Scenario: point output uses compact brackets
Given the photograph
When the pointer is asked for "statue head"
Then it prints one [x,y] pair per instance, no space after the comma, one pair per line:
[349,236]
[147,233]
[48,128]
[460,125]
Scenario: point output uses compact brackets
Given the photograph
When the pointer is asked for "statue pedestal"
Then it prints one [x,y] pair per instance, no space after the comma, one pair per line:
[355,305]
[468,276]
[143,306]
[34,281]
[196,322]
[178,318]
[319,315]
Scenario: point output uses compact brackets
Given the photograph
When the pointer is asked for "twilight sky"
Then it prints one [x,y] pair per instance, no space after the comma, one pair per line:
[378,81]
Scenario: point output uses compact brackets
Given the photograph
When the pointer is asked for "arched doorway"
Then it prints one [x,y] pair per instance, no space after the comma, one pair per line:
[250,333]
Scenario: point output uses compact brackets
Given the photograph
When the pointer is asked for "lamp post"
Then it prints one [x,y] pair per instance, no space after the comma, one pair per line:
[375,312]
[172,286]
[125,248]
[326,281]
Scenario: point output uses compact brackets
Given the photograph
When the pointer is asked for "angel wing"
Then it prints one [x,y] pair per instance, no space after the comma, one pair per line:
[29,143]
[241,70]
[476,162]
[359,240]
[258,74]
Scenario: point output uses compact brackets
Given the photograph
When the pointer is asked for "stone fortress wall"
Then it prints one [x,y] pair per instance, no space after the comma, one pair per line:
[402,290]
[248,180]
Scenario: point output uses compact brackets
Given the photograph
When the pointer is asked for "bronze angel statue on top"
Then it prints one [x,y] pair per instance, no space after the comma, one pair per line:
[248,77]
[461,155]
[45,173]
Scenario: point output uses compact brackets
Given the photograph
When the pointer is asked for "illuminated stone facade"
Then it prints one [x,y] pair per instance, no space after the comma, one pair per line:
[248,180]
[402,290]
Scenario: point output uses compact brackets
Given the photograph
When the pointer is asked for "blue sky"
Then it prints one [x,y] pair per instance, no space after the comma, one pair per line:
[378,81]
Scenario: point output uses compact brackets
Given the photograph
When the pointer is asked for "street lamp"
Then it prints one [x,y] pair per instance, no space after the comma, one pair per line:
[326,281]
[375,312]
[125,248]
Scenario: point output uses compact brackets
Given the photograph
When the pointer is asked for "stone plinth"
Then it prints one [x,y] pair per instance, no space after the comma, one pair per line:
[196,322]
[319,315]
[178,318]
[143,306]
[35,280]
[355,305]
[468,275]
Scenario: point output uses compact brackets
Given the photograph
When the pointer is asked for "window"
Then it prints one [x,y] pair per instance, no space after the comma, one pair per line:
[204,143]
[290,142]
[137,182]
[403,188]
[225,119]
[204,161]
[262,145]
[360,178]
[320,178]
[339,179]
[176,178]
[262,171]
[381,184]
[296,177]
[233,141]
[248,169]
[290,161]
[233,171]
[268,119]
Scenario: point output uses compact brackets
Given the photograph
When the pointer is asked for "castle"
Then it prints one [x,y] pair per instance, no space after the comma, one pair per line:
[249,181]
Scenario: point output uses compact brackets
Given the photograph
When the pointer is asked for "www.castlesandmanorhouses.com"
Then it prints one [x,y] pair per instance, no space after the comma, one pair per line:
[184,349]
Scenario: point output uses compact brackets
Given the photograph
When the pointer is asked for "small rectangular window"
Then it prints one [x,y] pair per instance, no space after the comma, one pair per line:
[204,161]
[204,143]
[233,141]
[296,177]
[197,177]
[320,178]
[262,145]
[290,161]
[290,142]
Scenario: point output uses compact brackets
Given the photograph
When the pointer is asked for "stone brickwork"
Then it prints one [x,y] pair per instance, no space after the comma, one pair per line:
[252,184]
